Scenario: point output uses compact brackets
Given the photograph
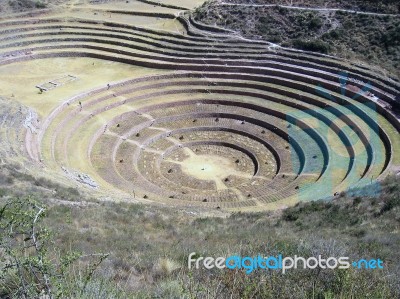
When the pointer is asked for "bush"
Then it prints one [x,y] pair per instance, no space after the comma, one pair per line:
[40,5]
[390,204]
[28,268]
[290,215]
[315,23]
[335,34]
[313,46]
[392,37]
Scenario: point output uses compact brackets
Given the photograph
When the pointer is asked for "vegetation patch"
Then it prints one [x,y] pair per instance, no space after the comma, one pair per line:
[370,39]
[126,250]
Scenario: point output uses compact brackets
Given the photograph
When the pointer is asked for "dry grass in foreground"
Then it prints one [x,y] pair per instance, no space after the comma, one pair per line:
[120,250]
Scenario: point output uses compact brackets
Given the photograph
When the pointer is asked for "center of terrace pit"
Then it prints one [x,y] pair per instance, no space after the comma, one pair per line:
[216,168]
[209,167]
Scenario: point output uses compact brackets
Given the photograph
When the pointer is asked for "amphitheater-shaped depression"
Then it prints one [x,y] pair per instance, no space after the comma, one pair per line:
[209,119]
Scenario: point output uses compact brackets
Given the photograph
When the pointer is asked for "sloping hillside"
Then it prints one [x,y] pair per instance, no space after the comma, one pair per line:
[146,246]
[14,6]
[378,6]
[364,38]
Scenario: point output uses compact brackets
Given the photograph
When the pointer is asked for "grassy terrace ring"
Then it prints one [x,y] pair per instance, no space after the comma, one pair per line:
[168,110]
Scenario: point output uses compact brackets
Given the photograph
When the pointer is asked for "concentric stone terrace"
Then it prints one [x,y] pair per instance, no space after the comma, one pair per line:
[219,121]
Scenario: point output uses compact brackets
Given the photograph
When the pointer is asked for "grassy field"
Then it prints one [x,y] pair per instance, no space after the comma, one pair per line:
[143,249]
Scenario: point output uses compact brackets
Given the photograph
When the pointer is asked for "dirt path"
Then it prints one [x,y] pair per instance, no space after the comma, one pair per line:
[307,8]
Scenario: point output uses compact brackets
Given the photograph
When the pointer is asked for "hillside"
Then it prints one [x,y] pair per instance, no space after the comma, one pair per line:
[146,247]
[16,6]
[362,38]
[377,6]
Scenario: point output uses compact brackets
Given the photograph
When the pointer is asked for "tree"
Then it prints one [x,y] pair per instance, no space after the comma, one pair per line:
[27,268]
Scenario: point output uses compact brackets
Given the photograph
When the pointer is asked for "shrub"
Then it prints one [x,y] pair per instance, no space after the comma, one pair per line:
[357,201]
[315,23]
[28,270]
[290,215]
[390,203]
[335,34]
[313,46]
[40,5]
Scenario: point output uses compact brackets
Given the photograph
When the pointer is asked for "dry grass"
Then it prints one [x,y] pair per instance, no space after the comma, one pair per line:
[149,246]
